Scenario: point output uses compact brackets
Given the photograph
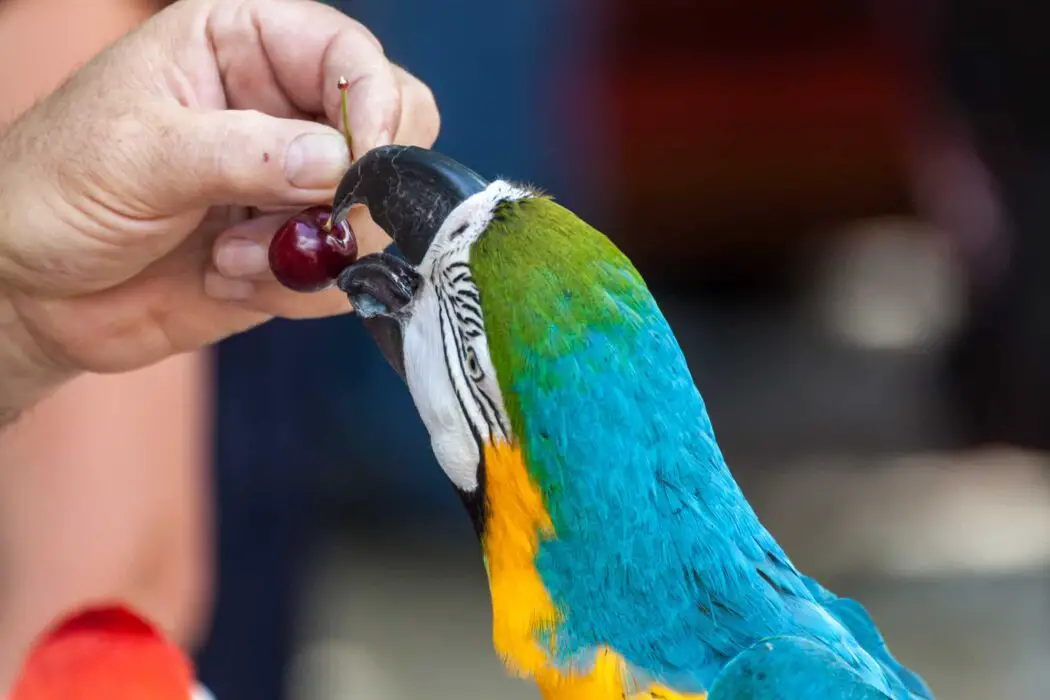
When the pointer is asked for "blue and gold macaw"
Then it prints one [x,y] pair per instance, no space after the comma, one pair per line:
[622,557]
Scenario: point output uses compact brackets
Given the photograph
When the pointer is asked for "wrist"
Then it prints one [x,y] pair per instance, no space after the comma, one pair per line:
[26,372]
[26,375]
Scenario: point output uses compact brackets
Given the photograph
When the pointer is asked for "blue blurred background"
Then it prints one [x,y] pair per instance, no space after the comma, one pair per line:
[839,205]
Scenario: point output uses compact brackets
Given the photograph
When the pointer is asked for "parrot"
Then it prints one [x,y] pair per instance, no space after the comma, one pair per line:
[623,560]
[109,651]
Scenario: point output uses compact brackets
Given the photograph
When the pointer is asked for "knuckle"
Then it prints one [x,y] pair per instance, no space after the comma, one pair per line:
[227,149]
[367,35]
[420,110]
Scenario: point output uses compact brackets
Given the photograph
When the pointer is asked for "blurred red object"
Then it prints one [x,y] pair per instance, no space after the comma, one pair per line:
[739,124]
[104,653]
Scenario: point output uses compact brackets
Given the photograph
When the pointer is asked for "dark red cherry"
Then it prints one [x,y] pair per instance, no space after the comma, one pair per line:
[305,256]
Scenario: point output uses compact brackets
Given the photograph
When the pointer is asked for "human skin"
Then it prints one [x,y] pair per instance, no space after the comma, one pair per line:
[116,503]
[61,507]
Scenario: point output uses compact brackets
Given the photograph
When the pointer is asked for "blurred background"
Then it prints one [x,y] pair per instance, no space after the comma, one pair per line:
[840,206]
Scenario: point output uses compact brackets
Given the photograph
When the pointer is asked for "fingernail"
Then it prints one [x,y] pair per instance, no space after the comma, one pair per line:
[224,289]
[383,139]
[316,161]
[239,257]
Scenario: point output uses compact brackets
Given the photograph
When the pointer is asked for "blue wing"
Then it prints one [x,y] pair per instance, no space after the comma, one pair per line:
[651,524]
[856,619]
[790,668]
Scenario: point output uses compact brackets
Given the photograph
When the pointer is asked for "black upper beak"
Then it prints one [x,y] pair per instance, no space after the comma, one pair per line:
[409,192]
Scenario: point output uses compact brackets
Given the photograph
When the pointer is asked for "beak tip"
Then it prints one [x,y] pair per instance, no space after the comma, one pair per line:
[342,282]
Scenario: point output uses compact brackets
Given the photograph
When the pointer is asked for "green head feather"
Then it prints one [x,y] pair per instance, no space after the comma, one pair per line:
[546,278]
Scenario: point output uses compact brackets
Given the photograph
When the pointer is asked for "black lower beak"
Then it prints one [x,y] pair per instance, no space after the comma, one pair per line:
[381,287]
[380,284]
[389,336]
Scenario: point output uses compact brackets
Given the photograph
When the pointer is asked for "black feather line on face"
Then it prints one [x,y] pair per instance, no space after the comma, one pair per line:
[388,336]
[474,501]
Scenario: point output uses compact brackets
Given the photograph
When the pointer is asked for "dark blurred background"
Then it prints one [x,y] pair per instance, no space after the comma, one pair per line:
[840,206]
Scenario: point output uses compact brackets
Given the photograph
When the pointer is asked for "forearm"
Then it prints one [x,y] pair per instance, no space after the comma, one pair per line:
[116,507]
[27,374]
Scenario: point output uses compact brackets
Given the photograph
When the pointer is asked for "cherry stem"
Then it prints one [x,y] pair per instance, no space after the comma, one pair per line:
[344,87]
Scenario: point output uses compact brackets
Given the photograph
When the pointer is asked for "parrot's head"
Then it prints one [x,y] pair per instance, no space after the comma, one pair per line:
[496,282]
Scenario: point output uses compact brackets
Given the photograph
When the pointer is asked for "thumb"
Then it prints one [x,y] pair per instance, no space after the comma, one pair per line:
[248,158]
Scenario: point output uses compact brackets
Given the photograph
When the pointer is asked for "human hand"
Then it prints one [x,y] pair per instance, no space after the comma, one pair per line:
[176,154]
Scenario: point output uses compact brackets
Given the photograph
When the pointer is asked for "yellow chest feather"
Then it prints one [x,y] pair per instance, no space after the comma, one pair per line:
[517,519]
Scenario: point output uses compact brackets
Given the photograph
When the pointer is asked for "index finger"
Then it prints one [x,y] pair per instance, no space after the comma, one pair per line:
[308,47]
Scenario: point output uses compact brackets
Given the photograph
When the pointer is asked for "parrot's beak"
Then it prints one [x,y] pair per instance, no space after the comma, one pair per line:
[409,192]
[381,286]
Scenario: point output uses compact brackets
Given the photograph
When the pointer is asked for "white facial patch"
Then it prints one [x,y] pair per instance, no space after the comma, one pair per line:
[435,397]
[468,221]
[447,363]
